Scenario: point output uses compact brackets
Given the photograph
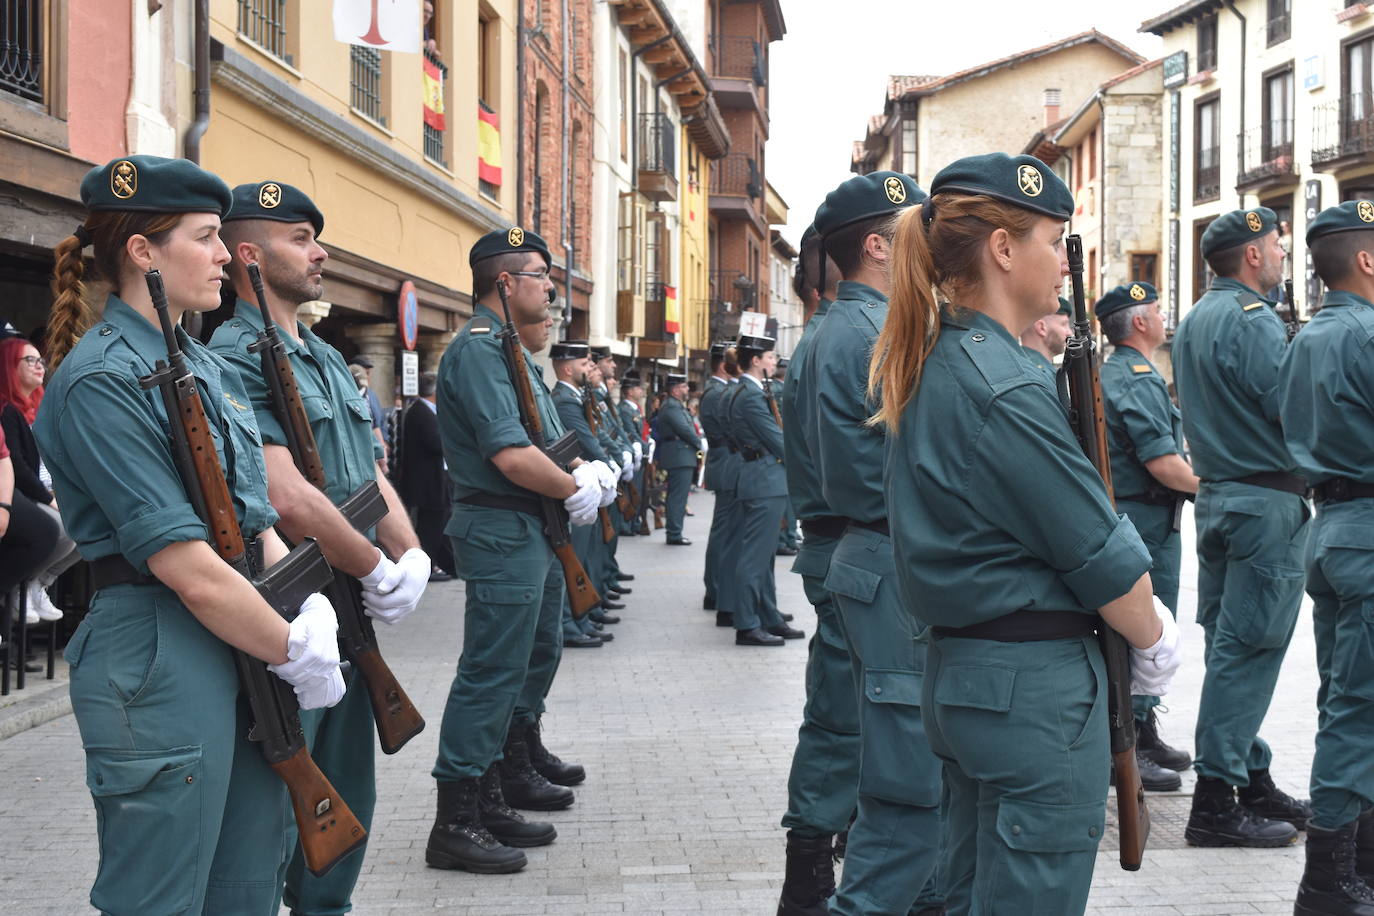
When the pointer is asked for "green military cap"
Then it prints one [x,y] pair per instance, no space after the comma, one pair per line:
[569,349]
[1023,181]
[1237,228]
[631,379]
[675,378]
[508,241]
[276,201]
[719,347]
[1065,307]
[756,344]
[864,197]
[1351,216]
[808,235]
[154,184]
[603,351]
[1125,296]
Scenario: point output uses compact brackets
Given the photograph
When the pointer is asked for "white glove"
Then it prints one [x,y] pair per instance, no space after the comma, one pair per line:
[653,447]
[607,476]
[582,505]
[628,471]
[614,468]
[638,449]
[627,458]
[1153,669]
[398,593]
[313,652]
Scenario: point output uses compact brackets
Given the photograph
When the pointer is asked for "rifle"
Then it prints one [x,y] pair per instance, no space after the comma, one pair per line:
[589,412]
[327,827]
[772,401]
[582,595]
[1290,315]
[396,717]
[1079,380]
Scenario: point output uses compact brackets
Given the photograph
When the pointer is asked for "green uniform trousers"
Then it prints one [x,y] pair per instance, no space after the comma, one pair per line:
[1340,578]
[505,561]
[822,788]
[720,549]
[675,506]
[1022,730]
[1156,527]
[1251,544]
[156,700]
[610,567]
[753,590]
[587,544]
[548,650]
[894,853]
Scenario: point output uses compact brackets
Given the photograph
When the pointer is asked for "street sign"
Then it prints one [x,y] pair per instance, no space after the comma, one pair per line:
[410,373]
[1313,73]
[408,315]
[1176,69]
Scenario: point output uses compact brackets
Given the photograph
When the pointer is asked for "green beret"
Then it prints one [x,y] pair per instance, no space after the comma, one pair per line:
[156,185]
[277,201]
[509,241]
[1350,216]
[569,349]
[864,197]
[1065,307]
[1237,228]
[1125,296]
[1023,181]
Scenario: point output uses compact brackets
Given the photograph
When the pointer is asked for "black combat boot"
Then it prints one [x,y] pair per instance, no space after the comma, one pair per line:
[810,878]
[459,840]
[1154,777]
[547,762]
[505,823]
[1330,885]
[1216,820]
[522,784]
[1149,745]
[1264,798]
[1364,847]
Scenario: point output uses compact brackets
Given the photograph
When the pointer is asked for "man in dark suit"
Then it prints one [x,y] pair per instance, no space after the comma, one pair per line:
[424,479]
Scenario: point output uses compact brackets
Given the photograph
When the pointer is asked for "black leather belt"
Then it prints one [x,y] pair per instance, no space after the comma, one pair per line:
[1276,480]
[115,570]
[829,526]
[1342,489]
[529,505]
[750,453]
[1026,626]
[879,526]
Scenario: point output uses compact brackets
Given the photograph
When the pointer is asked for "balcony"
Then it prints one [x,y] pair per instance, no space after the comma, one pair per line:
[656,342]
[657,157]
[1266,156]
[740,70]
[731,291]
[1343,131]
[1207,175]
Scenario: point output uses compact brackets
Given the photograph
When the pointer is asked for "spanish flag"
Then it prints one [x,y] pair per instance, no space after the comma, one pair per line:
[488,145]
[434,94]
[671,322]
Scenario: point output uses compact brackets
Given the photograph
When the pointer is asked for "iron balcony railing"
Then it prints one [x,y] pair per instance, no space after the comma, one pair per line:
[434,137]
[21,49]
[1265,152]
[1343,127]
[263,22]
[733,287]
[657,143]
[737,175]
[365,82]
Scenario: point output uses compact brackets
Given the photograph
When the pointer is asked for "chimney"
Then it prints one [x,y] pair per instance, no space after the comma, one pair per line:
[1052,100]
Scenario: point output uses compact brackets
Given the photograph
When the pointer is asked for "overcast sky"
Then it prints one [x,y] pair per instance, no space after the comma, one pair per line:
[829,74]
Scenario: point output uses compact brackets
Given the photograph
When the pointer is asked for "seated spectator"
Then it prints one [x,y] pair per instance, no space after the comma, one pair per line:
[22,371]
[27,535]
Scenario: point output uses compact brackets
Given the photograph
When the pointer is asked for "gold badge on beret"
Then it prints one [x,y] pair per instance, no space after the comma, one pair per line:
[124,179]
[516,237]
[1252,219]
[1030,180]
[269,196]
[896,191]
[1138,292]
[1365,210]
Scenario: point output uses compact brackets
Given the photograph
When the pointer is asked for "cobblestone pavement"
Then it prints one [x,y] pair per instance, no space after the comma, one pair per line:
[687,740]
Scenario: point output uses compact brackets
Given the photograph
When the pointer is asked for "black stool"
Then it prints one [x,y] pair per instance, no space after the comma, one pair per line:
[16,612]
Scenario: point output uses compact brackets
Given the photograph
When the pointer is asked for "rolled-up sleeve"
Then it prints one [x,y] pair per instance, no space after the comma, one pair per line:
[1148,417]
[489,400]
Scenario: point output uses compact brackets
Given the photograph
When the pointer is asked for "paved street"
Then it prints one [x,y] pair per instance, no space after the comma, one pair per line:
[687,739]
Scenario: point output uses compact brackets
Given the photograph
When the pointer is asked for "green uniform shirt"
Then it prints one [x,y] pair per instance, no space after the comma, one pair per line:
[722,463]
[107,442]
[631,420]
[993,507]
[1142,422]
[478,412]
[1038,360]
[755,428]
[1327,391]
[1226,358]
[803,479]
[849,454]
[338,414]
[567,399]
[678,442]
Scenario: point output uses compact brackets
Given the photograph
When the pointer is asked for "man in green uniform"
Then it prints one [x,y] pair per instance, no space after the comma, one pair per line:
[1151,478]
[631,419]
[678,445]
[822,788]
[1251,530]
[787,535]
[1044,340]
[622,450]
[514,585]
[722,473]
[277,226]
[1327,401]
[899,777]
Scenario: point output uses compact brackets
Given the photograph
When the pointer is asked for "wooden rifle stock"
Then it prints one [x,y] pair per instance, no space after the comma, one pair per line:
[1079,376]
[772,401]
[328,828]
[396,718]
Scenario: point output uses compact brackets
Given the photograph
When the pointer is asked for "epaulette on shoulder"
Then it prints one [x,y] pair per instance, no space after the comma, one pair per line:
[481,325]
[1142,369]
[1000,367]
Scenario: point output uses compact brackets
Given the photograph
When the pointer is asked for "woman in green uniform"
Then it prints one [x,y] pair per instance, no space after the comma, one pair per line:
[153,680]
[1004,541]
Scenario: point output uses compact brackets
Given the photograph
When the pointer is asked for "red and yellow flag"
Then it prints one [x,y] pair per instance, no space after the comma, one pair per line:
[488,146]
[672,322]
[434,95]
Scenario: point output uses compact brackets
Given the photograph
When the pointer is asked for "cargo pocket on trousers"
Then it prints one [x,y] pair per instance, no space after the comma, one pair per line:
[77,645]
[900,765]
[1030,826]
[1272,597]
[852,582]
[148,820]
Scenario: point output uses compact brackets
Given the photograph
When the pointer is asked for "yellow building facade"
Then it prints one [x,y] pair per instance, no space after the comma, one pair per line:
[694,297]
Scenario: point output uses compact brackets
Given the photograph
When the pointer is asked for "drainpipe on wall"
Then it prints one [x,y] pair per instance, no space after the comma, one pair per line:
[1102,201]
[521,43]
[1240,135]
[201,94]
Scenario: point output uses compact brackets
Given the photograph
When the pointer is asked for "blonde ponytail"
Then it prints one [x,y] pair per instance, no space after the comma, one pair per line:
[912,325]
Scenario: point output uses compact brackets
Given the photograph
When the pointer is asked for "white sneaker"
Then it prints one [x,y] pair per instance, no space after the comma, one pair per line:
[41,604]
